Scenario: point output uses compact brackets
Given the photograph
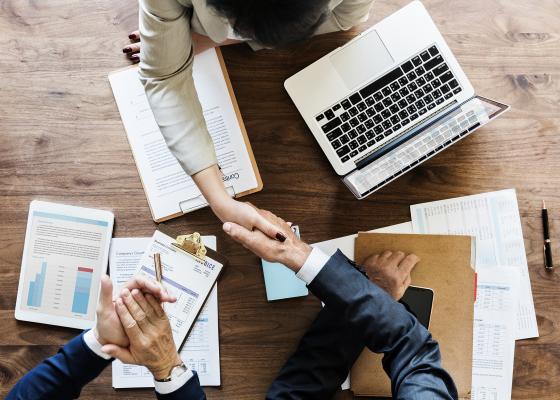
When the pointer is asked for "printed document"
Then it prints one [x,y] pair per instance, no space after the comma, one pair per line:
[170,191]
[201,351]
[493,218]
[494,333]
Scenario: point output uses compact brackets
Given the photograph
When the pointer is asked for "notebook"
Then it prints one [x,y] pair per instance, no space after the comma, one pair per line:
[446,267]
[280,281]
[170,191]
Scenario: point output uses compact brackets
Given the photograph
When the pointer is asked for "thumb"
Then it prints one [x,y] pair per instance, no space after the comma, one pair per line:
[120,353]
[238,233]
[106,295]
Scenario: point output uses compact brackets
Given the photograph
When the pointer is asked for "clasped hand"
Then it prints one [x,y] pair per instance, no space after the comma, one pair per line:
[134,327]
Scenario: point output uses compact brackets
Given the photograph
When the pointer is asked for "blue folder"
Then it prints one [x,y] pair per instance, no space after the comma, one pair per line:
[280,281]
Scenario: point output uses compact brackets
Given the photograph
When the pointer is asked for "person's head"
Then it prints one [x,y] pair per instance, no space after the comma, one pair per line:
[272,23]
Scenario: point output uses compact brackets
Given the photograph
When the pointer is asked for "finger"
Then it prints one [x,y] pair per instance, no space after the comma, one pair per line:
[122,353]
[135,58]
[271,226]
[106,295]
[256,241]
[396,258]
[406,283]
[385,255]
[134,35]
[129,324]
[131,49]
[407,264]
[143,304]
[156,306]
[371,261]
[134,309]
[148,285]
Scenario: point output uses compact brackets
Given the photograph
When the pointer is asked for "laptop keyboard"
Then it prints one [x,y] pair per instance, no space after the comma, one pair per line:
[363,120]
[418,149]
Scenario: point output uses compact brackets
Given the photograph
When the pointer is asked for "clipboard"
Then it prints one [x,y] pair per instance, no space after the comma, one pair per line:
[209,254]
[197,201]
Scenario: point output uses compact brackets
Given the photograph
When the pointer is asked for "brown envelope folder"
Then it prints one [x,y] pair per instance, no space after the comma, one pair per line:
[446,267]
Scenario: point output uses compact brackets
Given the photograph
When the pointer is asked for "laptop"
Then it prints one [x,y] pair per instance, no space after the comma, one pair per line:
[388,100]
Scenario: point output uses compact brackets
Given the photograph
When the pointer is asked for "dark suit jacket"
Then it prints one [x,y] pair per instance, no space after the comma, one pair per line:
[357,313]
[65,374]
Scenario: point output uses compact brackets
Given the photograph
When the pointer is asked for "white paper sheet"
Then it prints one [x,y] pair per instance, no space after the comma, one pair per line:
[494,333]
[346,245]
[168,188]
[201,351]
[493,218]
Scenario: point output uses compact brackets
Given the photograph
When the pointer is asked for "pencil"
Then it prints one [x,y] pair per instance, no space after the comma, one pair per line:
[157,263]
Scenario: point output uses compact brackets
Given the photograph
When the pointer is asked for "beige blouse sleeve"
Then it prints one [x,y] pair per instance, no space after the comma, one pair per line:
[346,15]
[166,72]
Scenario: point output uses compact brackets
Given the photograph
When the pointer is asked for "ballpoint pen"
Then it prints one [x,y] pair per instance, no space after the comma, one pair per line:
[547,251]
[157,263]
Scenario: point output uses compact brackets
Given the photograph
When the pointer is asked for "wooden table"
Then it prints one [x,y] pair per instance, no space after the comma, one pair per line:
[61,139]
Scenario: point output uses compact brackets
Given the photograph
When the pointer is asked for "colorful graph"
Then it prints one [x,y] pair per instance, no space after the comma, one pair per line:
[82,290]
[35,293]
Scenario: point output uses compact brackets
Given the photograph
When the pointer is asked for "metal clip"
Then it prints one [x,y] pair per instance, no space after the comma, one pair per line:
[192,244]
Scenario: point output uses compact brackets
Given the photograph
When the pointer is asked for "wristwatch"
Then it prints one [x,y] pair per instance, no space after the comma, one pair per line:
[175,373]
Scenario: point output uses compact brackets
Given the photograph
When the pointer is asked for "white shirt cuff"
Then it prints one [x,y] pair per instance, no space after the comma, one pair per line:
[312,266]
[174,384]
[94,345]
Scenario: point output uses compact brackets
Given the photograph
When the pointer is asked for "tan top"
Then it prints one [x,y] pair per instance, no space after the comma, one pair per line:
[166,67]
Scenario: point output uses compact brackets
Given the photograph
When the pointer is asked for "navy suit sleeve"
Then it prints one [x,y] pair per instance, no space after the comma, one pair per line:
[191,390]
[321,362]
[61,376]
[411,356]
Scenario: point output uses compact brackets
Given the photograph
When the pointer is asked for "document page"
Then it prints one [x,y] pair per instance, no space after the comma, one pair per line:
[169,189]
[201,351]
[493,218]
[65,255]
[494,333]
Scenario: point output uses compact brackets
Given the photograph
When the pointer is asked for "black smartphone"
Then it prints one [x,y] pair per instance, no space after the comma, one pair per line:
[418,301]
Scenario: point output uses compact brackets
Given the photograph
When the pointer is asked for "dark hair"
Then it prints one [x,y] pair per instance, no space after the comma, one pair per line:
[272,23]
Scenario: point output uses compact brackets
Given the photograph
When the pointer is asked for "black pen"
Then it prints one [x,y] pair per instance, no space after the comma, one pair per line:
[547,248]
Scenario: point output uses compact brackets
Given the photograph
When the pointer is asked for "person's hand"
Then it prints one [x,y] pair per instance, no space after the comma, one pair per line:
[292,252]
[132,50]
[149,333]
[391,271]
[108,328]
[200,43]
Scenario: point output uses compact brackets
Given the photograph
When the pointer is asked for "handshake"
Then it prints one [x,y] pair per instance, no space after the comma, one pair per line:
[134,327]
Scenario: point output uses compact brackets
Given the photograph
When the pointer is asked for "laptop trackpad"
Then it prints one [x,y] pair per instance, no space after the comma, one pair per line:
[362,60]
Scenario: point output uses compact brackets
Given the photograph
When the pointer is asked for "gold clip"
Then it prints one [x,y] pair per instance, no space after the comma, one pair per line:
[192,244]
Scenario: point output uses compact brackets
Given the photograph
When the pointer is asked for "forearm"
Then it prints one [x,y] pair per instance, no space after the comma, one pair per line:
[412,358]
[61,376]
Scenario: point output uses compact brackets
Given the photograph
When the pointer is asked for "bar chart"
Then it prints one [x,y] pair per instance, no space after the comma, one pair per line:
[35,294]
[82,290]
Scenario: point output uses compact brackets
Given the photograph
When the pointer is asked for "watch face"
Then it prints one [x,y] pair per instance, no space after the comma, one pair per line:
[178,371]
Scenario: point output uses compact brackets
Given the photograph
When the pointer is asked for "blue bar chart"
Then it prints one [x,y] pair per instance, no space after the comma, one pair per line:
[35,294]
[82,290]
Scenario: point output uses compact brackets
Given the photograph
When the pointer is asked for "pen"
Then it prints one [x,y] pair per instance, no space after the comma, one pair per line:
[547,247]
[157,263]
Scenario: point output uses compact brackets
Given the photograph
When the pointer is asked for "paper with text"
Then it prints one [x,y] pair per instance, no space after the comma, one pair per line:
[169,189]
[494,333]
[493,218]
[201,351]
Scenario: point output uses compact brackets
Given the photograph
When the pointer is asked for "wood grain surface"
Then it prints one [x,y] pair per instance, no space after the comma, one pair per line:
[61,139]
